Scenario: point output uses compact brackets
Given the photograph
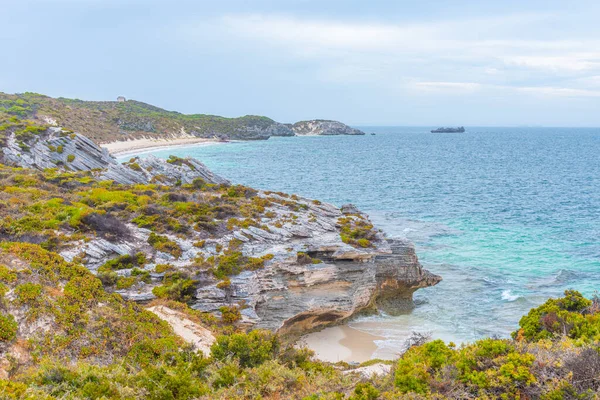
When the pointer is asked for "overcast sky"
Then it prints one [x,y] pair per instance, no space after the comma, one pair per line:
[362,62]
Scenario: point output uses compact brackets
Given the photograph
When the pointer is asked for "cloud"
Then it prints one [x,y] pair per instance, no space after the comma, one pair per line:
[548,91]
[571,62]
[452,87]
[511,53]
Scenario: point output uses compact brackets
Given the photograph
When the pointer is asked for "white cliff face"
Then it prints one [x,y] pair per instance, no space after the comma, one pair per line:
[75,152]
[323,127]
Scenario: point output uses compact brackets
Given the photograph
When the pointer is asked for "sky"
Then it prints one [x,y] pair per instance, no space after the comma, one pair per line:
[477,63]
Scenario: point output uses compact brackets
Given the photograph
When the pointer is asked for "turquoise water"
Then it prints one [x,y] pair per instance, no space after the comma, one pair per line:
[507,216]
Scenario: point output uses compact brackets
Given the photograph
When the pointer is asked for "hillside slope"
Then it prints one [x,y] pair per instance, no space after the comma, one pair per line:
[110,121]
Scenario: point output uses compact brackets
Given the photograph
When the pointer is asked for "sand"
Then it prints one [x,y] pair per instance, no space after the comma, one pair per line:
[199,337]
[136,145]
[341,343]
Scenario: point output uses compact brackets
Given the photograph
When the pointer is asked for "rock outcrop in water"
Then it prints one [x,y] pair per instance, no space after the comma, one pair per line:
[320,264]
[323,127]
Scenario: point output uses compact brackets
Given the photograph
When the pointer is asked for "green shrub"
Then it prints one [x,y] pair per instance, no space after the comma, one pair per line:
[234,262]
[229,315]
[164,244]
[28,293]
[7,275]
[84,290]
[365,391]
[126,261]
[125,282]
[70,158]
[356,231]
[160,268]
[249,349]
[564,316]
[148,351]
[8,328]
[415,368]
[176,286]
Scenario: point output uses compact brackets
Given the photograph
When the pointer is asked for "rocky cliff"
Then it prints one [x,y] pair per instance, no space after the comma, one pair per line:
[57,148]
[323,127]
[153,228]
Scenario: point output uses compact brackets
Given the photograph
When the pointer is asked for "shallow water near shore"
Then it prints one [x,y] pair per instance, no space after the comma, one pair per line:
[507,216]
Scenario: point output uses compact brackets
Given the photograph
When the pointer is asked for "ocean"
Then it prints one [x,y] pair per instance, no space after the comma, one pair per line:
[507,216]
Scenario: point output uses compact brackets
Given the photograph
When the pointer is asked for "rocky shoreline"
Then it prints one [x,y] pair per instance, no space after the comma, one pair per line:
[315,273]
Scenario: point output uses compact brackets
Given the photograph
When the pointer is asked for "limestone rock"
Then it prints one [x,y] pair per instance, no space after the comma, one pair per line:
[312,277]
[349,209]
[323,127]
[74,152]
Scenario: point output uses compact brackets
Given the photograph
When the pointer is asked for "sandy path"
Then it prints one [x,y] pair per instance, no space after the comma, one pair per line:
[198,336]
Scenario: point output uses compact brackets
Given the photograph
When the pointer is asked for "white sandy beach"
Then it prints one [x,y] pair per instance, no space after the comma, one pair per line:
[341,343]
[134,146]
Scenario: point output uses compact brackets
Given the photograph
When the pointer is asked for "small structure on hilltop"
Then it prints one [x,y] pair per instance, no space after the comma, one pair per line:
[121,99]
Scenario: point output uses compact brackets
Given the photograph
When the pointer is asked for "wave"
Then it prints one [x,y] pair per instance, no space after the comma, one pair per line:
[508,296]
[417,231]
[567,275]
[561,278]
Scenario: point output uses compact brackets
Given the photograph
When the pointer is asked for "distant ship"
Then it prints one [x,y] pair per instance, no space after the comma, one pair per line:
[460,129]
[372,133]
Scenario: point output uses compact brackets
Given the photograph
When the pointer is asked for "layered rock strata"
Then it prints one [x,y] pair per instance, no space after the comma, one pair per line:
[316,275]
[71,151]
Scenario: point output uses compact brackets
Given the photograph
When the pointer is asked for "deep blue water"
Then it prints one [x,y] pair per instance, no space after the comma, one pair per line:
[507,216]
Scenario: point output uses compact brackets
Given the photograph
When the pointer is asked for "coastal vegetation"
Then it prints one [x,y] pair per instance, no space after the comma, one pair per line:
[106,121]
[68,332]
[90,343]
[258,364]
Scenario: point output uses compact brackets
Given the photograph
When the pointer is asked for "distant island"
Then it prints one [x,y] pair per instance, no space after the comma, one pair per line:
[460,129]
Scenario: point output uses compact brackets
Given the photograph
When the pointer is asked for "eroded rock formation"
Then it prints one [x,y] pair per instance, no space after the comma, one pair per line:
[319,264]
[323,127]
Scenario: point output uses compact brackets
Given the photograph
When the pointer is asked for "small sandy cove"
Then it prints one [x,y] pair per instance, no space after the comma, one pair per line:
[136,145]
[341,343]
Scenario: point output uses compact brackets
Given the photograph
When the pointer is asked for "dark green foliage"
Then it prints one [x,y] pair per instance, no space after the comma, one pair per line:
[164,244]
[8,328]
[365,391]
[572,315]
[250,350]
[176,286]
[126,261]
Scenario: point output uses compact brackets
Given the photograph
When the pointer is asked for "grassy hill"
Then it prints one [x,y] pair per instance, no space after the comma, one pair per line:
[107,121]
